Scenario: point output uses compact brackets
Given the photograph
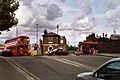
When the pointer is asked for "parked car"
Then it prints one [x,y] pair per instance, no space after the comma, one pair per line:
[77,53]
[108,71]
[91,51]
[7,52]
[57,52]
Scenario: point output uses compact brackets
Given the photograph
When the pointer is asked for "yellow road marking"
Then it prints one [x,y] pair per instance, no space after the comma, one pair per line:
[28,75]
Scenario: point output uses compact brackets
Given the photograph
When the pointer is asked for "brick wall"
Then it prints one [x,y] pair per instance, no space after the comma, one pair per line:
[112,46]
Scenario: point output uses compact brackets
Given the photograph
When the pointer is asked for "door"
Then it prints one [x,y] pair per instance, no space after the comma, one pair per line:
[110,71]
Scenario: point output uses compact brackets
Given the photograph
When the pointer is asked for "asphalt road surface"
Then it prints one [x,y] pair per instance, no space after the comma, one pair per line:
[8,72]
[47,67]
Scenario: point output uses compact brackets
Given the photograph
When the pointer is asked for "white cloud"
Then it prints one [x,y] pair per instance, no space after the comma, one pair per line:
[53,12]
[113,17]
[24,15]
[76,18]
[113,3]
[85,24]
[47,14]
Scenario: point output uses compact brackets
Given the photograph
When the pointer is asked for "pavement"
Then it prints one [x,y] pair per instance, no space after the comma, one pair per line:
[114,55]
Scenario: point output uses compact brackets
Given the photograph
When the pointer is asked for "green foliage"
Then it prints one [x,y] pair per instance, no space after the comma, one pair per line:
[91,38]
[73,48]
[7,15]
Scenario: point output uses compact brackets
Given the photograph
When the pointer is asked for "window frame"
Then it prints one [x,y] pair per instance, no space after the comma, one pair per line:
[97,73]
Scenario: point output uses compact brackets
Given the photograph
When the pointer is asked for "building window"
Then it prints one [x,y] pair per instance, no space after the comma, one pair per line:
[57,38]
[61,41]
[50,39]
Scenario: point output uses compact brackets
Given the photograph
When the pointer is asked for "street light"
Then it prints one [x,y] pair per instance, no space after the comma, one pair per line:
[37,34]
[57,28]
[16,31]
[37,37]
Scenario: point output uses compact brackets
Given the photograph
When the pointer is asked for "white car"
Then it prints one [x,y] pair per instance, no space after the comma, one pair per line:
[108,71]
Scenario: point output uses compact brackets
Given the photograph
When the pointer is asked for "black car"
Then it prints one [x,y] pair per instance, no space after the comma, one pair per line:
[7,52]
[57,52]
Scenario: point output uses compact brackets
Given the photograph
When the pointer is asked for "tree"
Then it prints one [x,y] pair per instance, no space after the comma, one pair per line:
[73,48]
[7,15]
[91,38]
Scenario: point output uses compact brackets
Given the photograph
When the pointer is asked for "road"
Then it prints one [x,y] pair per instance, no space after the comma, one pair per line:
[48,67]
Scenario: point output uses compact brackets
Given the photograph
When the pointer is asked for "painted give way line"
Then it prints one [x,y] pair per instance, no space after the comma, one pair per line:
[73,63]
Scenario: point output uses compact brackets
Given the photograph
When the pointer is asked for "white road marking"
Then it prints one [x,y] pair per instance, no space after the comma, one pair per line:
[67,61]
[70,62]
[73,63]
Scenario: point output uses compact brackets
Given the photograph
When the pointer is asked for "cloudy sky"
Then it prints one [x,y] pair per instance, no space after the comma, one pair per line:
[76,18]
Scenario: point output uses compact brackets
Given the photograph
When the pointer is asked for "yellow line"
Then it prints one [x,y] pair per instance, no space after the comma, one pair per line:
[23,71]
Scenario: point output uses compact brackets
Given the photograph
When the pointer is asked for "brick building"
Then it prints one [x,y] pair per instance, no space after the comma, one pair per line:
[104,44]
[52,41]
[111,45]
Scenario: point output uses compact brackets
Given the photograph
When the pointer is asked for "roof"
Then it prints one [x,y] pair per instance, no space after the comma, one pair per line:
[88,42]
[115,36]
[51,34]
[62,36]
[114,59]
[109,61]
[16,38]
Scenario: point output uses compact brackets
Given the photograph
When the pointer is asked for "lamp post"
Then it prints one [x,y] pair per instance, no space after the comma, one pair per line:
[16,31]
[37,37]
[57,28]
[37,34]
[16,36]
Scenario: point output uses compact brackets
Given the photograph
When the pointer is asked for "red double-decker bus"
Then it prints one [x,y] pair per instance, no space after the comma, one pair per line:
[19,45]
